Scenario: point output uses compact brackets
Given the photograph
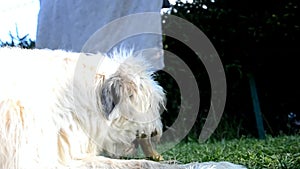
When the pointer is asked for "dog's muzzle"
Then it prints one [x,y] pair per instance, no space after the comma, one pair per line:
[147,146]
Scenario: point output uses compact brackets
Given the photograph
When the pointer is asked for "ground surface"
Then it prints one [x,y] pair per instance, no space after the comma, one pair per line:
[279,152]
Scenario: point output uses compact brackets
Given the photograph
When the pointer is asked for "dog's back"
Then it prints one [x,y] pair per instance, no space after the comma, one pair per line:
[27,130]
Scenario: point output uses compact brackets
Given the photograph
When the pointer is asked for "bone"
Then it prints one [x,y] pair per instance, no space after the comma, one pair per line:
[148,149]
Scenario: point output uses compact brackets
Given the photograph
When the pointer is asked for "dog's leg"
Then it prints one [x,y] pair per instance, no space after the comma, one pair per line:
[100,162]
[106,163]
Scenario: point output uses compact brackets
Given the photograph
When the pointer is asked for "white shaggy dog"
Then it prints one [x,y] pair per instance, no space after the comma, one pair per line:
[50,116]
[59,110]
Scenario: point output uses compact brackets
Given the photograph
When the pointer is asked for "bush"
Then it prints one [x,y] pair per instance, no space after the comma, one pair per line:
[22,42]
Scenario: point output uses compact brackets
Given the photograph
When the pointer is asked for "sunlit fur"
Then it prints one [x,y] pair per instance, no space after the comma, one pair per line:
[52,117]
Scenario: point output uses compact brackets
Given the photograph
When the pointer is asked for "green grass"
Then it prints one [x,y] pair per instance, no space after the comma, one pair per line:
[280,152]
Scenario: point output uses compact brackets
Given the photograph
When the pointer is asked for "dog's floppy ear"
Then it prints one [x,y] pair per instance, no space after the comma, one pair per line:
[110,98]
[115,90]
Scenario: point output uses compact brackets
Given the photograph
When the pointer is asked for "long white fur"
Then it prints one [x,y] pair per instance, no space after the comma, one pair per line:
[50,116]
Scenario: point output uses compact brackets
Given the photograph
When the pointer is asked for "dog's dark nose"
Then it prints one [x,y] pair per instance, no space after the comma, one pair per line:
[154,133]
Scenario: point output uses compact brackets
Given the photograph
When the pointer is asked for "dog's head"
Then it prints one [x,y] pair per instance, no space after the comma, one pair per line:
[131,102]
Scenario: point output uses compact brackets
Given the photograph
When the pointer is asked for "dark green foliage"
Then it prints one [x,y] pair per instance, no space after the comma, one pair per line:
[257,37]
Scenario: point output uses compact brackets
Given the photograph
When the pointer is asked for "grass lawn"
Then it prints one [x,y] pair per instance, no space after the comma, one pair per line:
[279,152]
